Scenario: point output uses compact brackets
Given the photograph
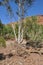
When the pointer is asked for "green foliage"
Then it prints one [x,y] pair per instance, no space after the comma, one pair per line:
[8,32]
[2,42]
[1,28]
[7,29]
[33,32]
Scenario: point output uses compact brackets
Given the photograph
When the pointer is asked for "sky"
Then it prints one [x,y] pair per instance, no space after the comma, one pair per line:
[35,9]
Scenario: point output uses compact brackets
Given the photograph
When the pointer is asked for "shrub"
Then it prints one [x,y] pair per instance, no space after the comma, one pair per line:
[2,42]
[33,32]
[11,36]
[8,32]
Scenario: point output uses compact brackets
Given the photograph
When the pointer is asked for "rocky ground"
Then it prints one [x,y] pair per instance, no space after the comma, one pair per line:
[15,54]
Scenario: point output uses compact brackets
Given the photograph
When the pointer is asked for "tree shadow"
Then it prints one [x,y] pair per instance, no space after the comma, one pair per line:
[2,56]
[9,55]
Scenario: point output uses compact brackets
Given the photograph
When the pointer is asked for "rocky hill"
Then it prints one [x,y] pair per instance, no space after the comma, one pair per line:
[39,19]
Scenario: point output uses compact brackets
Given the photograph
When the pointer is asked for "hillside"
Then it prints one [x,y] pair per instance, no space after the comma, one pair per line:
[39,19]
[30,52]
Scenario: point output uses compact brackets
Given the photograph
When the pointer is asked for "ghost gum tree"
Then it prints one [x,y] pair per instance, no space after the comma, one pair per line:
[22,7]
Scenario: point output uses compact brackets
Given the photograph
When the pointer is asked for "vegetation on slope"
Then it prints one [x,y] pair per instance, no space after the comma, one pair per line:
[32,30]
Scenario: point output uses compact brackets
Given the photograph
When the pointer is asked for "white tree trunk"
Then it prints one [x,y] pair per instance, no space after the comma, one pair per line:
[22,35]
[19,34]
[19,27]
[20,31]
[14,32]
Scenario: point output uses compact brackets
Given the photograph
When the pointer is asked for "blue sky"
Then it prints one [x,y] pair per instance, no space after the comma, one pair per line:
[35,9]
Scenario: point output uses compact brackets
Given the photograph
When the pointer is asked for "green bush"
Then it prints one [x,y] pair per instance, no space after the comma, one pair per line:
[11,36]
[33,32]
[2,42]
[7,32]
